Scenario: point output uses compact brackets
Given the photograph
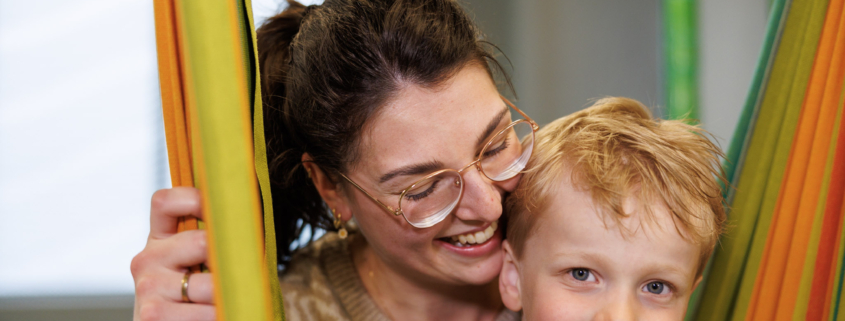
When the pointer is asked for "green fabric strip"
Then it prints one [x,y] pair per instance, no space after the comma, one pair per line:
[837,301]
[744,127]
[218,84]
[801,58]
[770,137]
[728,258]
[680,49]
[263,173]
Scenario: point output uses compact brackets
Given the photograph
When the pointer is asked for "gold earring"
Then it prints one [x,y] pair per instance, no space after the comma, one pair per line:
[338,224]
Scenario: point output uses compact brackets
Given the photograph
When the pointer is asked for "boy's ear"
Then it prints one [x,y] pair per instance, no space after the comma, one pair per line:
[329,190]
[509,279]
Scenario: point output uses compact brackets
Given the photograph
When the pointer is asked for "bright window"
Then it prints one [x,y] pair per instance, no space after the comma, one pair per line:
[81,144]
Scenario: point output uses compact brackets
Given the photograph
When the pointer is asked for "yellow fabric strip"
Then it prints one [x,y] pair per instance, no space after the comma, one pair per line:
[263,174]
[218,103]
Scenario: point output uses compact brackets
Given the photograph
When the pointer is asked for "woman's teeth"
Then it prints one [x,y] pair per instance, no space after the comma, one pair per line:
[475,238]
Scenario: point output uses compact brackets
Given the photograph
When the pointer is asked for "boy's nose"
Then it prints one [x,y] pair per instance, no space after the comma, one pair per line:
[621,307]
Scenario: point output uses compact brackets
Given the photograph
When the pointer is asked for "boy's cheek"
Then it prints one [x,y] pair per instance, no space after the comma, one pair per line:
[550,300]
[676,310]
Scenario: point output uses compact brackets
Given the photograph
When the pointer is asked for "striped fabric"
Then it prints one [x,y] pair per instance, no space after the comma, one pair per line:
[210,102]
[782,257]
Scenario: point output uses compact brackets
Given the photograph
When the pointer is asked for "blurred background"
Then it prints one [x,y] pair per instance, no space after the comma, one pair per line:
[82,141]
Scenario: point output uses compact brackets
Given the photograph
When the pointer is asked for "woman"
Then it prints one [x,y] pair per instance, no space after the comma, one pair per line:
[385,111]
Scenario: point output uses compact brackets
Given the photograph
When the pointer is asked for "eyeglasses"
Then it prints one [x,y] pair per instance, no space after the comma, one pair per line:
[429,200]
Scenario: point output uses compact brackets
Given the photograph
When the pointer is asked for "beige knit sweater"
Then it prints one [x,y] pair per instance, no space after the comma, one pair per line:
[321,283]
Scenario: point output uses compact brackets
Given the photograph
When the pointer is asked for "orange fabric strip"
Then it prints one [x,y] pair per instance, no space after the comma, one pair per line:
[809,198]
[823,275]
[172,103]
[768,283]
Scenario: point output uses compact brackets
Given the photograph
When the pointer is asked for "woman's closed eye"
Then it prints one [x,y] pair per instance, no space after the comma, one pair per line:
[424,193]
[497,148]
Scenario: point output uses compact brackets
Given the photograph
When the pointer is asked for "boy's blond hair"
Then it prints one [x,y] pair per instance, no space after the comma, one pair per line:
[613,150]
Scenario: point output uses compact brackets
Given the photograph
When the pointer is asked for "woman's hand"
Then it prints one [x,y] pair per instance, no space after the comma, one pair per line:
[159,268]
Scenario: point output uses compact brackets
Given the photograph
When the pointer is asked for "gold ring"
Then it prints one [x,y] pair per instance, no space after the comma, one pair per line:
[185,286]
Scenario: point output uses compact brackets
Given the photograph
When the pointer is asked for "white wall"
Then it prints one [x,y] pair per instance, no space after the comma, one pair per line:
[730,38]
[81,151]
[565,53]
[80,144]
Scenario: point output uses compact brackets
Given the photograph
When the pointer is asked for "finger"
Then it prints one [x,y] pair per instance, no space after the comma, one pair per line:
[181,250]
[168,205]
[176,311]
[200,287]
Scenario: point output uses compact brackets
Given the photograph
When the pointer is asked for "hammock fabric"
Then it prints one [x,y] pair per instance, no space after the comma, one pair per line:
[215,142]
[680,49]
[782,258]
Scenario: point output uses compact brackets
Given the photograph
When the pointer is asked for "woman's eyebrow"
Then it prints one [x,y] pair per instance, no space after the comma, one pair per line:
[423,168]
[491,126]
[413,169]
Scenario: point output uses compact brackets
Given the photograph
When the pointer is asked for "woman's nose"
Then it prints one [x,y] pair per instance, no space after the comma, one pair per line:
[481,200]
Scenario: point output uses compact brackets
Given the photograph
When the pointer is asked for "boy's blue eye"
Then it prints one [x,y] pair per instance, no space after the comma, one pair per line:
[580,274]
[655,287]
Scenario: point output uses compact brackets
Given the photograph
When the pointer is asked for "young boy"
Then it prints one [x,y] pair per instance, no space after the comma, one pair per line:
[614,219]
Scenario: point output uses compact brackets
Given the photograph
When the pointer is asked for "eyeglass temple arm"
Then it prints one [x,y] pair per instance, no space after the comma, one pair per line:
[386,207]
[533,123]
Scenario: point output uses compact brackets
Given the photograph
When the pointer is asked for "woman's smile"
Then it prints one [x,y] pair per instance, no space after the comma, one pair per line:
[447,127]
[477,236]
[474,243]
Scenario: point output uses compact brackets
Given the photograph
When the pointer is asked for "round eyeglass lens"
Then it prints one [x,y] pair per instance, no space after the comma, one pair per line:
[506,156]
[430,200]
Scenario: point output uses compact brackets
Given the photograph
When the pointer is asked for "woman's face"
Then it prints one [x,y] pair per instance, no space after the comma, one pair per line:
[422,130]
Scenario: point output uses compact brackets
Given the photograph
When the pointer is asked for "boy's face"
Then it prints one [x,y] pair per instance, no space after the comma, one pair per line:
[580,266]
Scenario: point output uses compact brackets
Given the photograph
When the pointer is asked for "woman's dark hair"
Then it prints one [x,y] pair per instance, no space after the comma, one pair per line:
[325,70]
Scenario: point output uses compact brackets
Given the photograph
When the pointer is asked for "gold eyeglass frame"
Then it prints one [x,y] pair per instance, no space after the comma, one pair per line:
[477,163]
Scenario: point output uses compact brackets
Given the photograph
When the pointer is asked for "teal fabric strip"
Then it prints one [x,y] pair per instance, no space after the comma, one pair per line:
[838,298]
[748,118]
